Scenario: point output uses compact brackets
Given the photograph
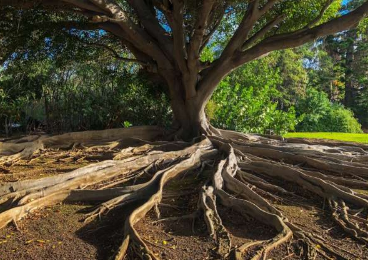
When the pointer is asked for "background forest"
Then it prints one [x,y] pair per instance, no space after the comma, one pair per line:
[56,85]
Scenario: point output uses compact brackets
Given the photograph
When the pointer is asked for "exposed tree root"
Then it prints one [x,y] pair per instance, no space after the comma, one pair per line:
[214,223]
[340,216]
[154,190]
[247,174]
[24,148]
[314,184]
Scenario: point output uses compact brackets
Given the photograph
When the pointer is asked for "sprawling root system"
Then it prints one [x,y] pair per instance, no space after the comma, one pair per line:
[246,174]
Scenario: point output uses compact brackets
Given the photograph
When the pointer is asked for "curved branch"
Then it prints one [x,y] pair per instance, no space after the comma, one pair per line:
[319,17]
[224,65]
[152,25]
[86,5]
[112,51]
[261,33]
[179,36]
[297,38]
[267,6]
[199,31]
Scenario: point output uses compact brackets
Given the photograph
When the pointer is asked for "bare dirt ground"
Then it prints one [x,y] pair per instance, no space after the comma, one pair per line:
[58,232]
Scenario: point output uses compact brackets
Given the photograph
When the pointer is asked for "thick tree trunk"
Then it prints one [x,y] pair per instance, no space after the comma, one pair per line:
[187,106]
[188,109]
[190,118]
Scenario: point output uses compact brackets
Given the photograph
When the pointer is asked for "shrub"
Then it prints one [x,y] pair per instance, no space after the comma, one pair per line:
[247,110]
[340,119]
[318,114]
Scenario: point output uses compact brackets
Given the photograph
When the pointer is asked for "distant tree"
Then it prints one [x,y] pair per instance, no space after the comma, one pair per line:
[341,65]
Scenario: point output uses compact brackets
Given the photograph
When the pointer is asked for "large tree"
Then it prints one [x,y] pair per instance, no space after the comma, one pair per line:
[166,39]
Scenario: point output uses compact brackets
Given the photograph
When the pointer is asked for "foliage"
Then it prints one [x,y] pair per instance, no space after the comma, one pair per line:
[245,101]
[71,96]
[325,71]
[246,110]
[362,106]
[292,74]
[320,115]
[338,66]
[11,109]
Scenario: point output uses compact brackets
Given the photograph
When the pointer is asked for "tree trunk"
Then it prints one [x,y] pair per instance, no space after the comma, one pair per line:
[6,125]
[10,125]
[189,111]
[47,113]
[190,118]
[349,73]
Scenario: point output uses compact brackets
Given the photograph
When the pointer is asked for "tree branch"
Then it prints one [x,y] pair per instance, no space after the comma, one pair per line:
[179,36]
[199,30]
[118,32]
[319,17]
[295,39]
[86,5]
[244,28]
[261,33]
[112,51]
[133,33]
[214,28]
[218,70]
[268,6]
[151,25]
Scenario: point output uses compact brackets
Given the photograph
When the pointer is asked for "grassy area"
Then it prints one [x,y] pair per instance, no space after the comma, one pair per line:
[359,138]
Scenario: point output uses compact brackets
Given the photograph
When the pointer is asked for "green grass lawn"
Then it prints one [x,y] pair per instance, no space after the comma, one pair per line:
[359,138]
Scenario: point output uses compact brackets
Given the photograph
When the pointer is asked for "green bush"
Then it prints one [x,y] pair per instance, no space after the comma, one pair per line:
[248,110]
[340,119]
[318,114]
[80,96]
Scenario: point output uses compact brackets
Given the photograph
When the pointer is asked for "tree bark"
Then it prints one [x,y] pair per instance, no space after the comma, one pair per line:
[188,110]
[190,118]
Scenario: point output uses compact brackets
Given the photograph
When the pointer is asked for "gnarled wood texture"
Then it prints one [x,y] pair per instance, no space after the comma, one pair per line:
[248,172]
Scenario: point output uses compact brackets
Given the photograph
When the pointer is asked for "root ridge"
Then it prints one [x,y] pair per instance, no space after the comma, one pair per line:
[245,177]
